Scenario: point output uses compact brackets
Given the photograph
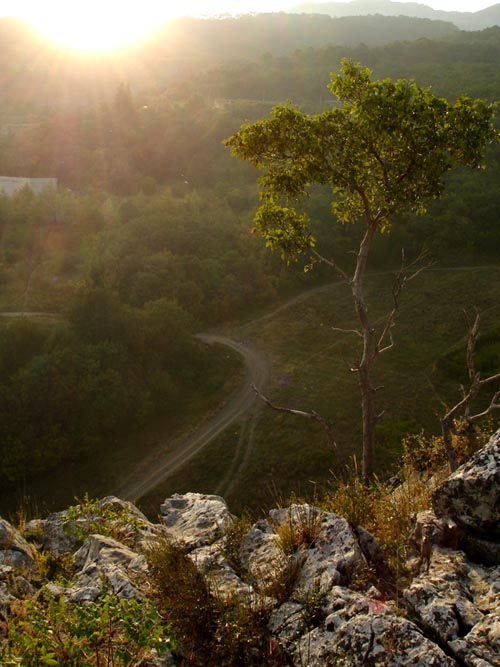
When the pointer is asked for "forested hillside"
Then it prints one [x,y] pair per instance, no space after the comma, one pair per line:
[146,240]
[469,20]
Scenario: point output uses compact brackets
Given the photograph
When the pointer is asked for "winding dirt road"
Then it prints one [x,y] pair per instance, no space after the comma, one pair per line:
[160,465]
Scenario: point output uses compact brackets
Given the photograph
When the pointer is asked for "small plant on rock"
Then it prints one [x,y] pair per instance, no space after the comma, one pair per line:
[93,516]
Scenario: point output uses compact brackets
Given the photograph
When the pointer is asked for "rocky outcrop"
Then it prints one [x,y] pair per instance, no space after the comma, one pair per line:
[14,549]
[308,569]
[195,519]
[457,603]
[470,497]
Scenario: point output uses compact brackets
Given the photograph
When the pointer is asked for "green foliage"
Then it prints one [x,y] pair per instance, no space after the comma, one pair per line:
[384,151]
[108,633]
[93,516]
[426,453]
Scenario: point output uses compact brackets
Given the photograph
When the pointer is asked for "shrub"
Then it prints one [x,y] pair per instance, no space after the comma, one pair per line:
[91,516]
[108,633]
[211,631]
[385,510]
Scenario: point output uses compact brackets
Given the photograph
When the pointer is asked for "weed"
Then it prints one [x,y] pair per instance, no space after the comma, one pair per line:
[92,516]
[54,567]
[109,633]
[385,511]
[233,539]
[184,598]
[300,528]
[281,585]
[211,631]
[426,453]
[312,601]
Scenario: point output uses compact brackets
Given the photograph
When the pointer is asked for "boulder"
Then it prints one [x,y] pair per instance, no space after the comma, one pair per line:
[14,550]
[222,579]
[471,495]
[457,603]
[58,537]
[355,630]
[333,556]
[103,561]
[194,519]
[263,558]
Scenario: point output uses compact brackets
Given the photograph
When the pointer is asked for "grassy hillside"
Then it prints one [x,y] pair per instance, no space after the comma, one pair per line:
[311,362]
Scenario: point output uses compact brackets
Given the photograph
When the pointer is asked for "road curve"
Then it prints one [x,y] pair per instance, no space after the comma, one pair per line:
[161,465]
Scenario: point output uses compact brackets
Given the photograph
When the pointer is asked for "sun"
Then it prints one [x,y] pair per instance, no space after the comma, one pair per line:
[96,25]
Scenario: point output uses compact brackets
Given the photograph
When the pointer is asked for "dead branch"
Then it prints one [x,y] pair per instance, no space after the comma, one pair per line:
[314,416]
[463,407]
[330,262]
[354,331]
[406,273]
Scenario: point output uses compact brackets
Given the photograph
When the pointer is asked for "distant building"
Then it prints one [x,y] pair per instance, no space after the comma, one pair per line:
[12,184]
[9,129]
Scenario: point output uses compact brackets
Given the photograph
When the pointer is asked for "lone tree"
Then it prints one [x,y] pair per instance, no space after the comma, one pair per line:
[383,151]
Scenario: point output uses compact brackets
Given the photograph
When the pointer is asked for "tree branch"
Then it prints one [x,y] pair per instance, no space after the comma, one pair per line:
[314,416]
[494,405]
[406,273]
[331,263]
[448,422]
[354,331]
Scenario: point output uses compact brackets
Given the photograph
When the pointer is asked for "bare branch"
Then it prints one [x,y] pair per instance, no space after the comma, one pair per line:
[406,273]
[390,345]
[471,348]
[494,405]
[330,262]
[489,380]
[314,416]
[354,331]
[448,422]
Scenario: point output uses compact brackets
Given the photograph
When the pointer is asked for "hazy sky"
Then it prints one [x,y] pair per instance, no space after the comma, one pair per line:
[19,7]
[110,24]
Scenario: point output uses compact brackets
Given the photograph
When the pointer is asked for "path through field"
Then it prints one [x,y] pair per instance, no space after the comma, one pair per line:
[169,457]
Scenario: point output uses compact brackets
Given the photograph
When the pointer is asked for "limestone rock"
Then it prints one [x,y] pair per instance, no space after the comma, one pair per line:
[223,580]
[263,557]
[358,631]
[5,599]
[58,537]
[471,495]
[105,559]
[14,550]
[332,557]
[481,550]
[457,602]
[288,622]
[195,519]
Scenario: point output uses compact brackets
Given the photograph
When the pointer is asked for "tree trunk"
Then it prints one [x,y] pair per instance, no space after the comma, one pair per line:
[369,422]
[368,356]
[446,426]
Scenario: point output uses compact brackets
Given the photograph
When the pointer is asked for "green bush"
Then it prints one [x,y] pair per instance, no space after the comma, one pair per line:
[108,633]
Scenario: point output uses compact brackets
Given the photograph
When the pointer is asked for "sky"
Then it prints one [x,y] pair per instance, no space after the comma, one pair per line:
[107,24]
[16,7]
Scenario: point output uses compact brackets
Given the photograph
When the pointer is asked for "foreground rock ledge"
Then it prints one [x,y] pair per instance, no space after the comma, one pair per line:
[329,616]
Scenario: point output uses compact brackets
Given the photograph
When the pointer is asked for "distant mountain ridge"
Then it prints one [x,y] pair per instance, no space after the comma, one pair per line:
[484,18]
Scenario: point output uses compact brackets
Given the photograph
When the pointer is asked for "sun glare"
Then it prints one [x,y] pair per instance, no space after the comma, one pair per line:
[92,25]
